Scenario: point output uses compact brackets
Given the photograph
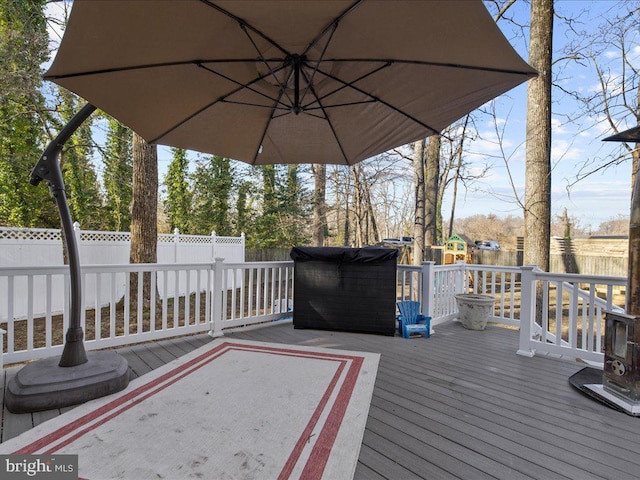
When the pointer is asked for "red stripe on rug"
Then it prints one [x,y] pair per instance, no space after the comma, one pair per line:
[67,429]
[306,433]
[322,449]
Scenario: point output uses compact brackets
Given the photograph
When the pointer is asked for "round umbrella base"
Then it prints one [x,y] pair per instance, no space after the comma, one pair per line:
[44,385]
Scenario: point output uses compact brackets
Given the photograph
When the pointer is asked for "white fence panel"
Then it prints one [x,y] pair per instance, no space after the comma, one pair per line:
[43,247]
[102,248]
[30,246]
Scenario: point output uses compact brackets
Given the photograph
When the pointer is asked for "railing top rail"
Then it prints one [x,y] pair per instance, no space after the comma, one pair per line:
[132,267]
[450,267]
[577,277]
[493,268]
[411,268]
[105,268]
[282,263]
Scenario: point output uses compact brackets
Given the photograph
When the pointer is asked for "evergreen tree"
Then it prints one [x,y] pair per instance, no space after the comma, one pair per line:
[285,217]
[117,176]
[243,210]
[266,226]
[295,211]
[178,202]
[212,184]
[23,48]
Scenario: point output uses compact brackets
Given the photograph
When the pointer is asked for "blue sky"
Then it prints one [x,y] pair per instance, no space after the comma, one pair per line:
[601,196]
[597,198]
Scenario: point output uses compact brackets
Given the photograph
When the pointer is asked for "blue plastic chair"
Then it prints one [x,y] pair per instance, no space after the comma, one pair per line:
[411,321]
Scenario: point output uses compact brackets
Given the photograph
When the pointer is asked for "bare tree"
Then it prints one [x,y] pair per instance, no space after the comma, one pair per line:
[537,212]
[432,174]
[617,100]
[420,194]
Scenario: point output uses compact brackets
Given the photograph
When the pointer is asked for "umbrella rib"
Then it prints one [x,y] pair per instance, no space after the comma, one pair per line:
[209,105]
[242,22]
[326,117]
[266,64]
[264,132]
[379,100]
[433,64]
[346,85]
[245,85]
[333,24]
[315,69]
[235,102]
[348,104]
[150,65]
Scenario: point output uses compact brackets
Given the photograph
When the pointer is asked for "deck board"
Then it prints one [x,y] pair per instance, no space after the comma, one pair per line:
[461,405]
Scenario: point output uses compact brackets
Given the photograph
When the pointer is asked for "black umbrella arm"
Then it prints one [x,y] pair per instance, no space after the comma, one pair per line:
[48,168]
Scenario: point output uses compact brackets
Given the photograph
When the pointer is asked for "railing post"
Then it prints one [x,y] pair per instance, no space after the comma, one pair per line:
[527,309]
[428,287]
[176,242]
[213,245]
[77,232]
[242,243]
[216,299]
[460,271]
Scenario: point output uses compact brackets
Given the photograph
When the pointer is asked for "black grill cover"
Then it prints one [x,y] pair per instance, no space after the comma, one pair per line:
[350,289]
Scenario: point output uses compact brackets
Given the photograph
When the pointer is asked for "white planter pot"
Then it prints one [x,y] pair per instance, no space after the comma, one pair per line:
[474,310]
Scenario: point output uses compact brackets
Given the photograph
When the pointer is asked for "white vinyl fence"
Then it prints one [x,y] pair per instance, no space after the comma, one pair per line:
[43,247]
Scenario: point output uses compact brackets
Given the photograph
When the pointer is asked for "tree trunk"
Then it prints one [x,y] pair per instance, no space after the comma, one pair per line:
[418,222]
[144,213]
[319,204]
[357,207]
[432,172]
[347,223]
[373,224]
[537,209]
[633,277]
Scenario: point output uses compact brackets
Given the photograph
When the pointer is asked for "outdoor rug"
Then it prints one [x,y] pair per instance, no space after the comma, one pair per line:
[230,409]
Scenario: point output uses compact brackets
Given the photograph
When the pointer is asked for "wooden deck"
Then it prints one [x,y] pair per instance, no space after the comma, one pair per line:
[459,405]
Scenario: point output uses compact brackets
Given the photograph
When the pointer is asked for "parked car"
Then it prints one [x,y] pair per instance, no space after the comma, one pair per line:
[398,241]
[487,245]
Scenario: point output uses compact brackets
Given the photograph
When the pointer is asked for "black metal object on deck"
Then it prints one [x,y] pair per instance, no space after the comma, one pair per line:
[349,289]
[77,377]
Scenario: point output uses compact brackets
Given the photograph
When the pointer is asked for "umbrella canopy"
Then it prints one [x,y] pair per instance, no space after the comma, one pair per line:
[632,135]
[282,81]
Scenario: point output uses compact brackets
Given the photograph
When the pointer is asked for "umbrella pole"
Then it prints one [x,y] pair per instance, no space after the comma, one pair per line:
[77,377]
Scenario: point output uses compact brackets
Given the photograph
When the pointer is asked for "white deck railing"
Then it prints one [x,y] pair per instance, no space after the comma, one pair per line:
[115,312]
[557,313]
[564,313]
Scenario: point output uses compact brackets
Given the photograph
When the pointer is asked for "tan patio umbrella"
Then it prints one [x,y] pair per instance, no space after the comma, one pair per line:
[262,81]
[286,81]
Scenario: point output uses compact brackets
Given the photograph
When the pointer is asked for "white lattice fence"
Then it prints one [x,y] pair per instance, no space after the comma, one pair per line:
[21,247]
